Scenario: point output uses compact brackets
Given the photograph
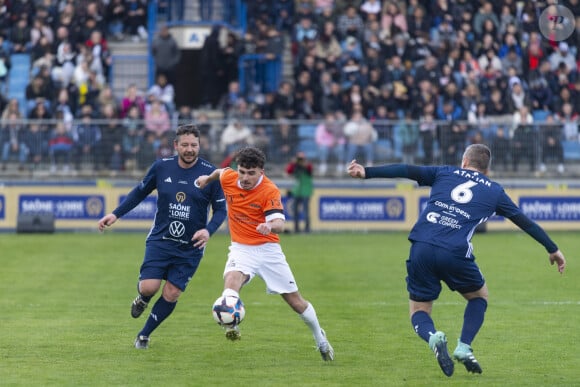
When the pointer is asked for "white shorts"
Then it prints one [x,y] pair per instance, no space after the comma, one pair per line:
[266,261]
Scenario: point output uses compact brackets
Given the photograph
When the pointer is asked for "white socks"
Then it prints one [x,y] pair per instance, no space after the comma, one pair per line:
[310,318]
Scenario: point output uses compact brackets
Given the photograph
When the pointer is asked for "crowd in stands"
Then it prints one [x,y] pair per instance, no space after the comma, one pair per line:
[433,74]
[425,77]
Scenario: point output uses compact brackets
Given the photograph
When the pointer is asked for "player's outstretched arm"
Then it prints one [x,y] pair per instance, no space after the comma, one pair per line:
[558,258]
[202,181]
[107,221]
[355,170]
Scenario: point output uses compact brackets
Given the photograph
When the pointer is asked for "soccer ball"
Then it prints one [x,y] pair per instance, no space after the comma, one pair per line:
[228,310]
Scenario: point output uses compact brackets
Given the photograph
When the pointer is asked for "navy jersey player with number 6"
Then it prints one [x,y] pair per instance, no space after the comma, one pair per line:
[181,229]
[441,250]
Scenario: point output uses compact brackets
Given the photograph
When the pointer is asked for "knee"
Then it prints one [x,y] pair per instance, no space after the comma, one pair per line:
[149,287]
[170,292]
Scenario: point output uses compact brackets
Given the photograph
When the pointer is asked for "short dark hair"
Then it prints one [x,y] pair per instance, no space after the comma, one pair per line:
[250,157]
[186,129]
[478,156]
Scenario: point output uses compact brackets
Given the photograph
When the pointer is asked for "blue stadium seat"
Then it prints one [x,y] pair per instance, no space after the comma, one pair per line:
[540,115]
[383,150]
[306,131]
[309,147]
[19,77]
[571,150]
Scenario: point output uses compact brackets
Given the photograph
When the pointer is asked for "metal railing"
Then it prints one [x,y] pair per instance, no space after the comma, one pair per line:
[96,147]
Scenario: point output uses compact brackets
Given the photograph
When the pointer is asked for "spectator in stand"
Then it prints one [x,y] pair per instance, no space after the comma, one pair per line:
[64,60]
[205,135]
[350,24]
[37,90]
[408,134]
[212,71]
[489,59]
[20,35]
[166,54]
[39,111]
[274,44]
[93,10]
[551,139]
[301,169]
[284,140]
[370,9]
[40,29]
[235,136]
[164,148]
[393,21]
[327,47]
[570,121]
[427,132]
[540,94]
[517,96]
[562,55]
[63,106]
[136,20]
[115,16]
[501,148]
[87,136]
[132,137]
[111,138]
[231,99]
[12,138]
[36,139]
[156,118]
[100,54]
[484,13]
[262,139]
[5,17]
[332,98]
[351,48]
[107,96]
[12,107]
[361,136]
[60,147]
[452,139]
[304,29]
[284,101]
[133,97]
[497,105]
[330,141]
[283,14]
[525,139]
[418,23]
[163,91]
[532,58]
[469,67]
[512,63]
[5,64]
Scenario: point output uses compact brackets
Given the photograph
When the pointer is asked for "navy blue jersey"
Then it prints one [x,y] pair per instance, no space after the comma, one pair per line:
[182,209]
[460,200]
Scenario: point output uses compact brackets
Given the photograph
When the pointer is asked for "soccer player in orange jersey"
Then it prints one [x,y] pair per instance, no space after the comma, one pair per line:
[256,217]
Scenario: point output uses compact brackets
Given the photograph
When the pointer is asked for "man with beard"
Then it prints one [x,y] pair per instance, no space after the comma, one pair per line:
[181,230]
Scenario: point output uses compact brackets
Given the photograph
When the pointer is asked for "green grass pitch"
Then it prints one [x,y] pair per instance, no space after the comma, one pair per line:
[65,300]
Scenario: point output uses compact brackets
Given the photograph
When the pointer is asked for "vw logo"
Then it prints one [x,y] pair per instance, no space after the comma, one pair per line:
[176,229]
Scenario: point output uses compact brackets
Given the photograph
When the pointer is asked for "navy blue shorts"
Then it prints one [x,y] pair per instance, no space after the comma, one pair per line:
[176,265]
[428,265]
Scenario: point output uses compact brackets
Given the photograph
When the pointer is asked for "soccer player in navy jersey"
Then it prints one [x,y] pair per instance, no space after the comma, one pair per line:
[181,229]
[441,250]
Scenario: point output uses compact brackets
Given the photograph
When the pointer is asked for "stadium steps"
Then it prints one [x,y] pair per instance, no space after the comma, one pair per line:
[130,65]
[19,78]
